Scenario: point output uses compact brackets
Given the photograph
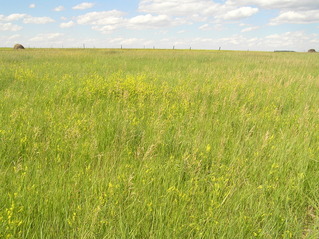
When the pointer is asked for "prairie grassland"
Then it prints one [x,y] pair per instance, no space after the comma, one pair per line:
[158,144]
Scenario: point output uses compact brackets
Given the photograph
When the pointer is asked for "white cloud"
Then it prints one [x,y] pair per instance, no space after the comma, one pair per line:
[249,29]
[297,41]
[15,36]
[46,37]
[196,10]
[219,27]
[26,18]
[105,21]
[179,7]
[125,41]
[301,17]
[67,24]
[291,11]
[32,5]
[9,27]
[10,40]
[105,29]
[37,20]
[108,21]
[239,13]
[150,21]
[279,4]
[205,27]
[292,40]
[14,17]
[50,40]
[101,18]
[83,6]
[129,42]
[59,9]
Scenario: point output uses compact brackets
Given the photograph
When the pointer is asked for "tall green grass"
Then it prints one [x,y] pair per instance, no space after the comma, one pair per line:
[158,144]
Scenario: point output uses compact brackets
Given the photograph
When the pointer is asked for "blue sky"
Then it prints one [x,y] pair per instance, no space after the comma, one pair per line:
[264,25]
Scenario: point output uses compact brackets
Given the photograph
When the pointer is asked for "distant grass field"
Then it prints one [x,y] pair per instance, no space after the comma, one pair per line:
[158,144]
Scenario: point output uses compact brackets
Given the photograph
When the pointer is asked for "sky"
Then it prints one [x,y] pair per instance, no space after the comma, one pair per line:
[254,25]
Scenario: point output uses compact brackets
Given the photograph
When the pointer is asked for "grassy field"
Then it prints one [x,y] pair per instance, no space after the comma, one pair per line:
[158,144]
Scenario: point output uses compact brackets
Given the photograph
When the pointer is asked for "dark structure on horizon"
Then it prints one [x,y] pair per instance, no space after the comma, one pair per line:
[283,51]
[18,46]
